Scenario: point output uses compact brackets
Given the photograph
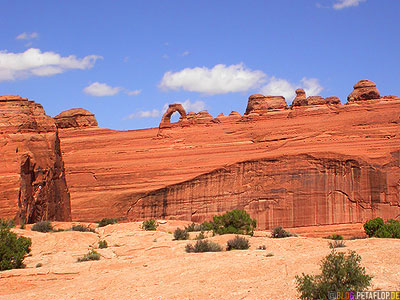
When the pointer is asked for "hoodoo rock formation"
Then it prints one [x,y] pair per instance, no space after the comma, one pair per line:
[76,117]
[364,90]
[318,163]
[32,179]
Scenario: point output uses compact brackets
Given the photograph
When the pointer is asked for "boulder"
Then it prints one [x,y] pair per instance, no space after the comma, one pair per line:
[260,104]
[76,117]
[364,90]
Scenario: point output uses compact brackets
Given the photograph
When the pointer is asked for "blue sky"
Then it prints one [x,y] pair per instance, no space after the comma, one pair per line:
[125,60]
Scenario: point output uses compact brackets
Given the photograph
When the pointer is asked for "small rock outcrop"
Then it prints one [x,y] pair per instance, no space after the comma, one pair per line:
[259,104]
[300,99]
[364,90]
[76,117]
[32,177]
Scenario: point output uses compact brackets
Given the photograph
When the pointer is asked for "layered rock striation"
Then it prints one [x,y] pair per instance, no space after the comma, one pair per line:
[32,178]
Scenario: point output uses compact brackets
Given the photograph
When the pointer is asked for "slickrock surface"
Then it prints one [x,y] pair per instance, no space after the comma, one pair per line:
[150,265]
[32,179]
[75,117]
[310,165]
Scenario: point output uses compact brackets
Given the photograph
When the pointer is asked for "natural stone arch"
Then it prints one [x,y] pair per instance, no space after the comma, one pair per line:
[166,118]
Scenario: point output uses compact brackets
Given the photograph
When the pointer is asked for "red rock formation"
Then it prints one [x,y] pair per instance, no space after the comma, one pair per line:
[300,99]
[322,165]
[364,90]
[32,180]
[76,117]
[259,104]
[166,118]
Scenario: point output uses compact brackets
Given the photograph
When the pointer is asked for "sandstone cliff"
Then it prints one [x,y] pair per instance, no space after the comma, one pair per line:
[75,117]
[32,179]
[319,163]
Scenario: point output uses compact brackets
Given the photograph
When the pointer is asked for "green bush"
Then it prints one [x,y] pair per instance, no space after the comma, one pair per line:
[181,234]
[338,273]
[203,246]
[43,226]
[150,225]
[7,223]
[107,221]
[236,221]
[200,236]
[279,232]
[92,255]
[193,227]
[82,228]
[13,249]
[337,244]
[238,243]
[391,229]
[335,236]
[103,244]
[372,226]
[207,226]
[378,228]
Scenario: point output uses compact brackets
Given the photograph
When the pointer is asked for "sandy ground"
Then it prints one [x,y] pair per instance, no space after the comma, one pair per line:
[151,265]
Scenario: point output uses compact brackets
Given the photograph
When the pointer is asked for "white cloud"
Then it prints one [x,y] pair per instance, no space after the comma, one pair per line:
[340,4]
[279,87]
[185,53]
[133,93]
[98,89]
[221,79]
[33,62]
[27,36]
[282,87]
[157,113]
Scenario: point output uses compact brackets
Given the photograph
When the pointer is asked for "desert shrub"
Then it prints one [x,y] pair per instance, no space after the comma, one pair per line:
[193,227]
[378,228]
[91,255]
[43,226]
[371,226]
[337,244]
[279,232]
[335,236]
[200,236]
[207,226]
[38,265]
[238,243]
[339,272]
[103,244]
[236,221]
[82,228]
[107,221]
[181,234]
[391,229]
[150,225]
[7,223]
[203,246]
[262,247]
[13,249]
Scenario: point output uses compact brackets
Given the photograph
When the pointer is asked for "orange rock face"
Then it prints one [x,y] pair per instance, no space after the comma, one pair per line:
[364,90]
[310,165]
[76,117]
[32,179]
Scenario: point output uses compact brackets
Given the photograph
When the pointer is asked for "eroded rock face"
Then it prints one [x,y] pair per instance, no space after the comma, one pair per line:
[364,90]
[32,179]
[76,117]
[260,104]
[289,191]
[301,99]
